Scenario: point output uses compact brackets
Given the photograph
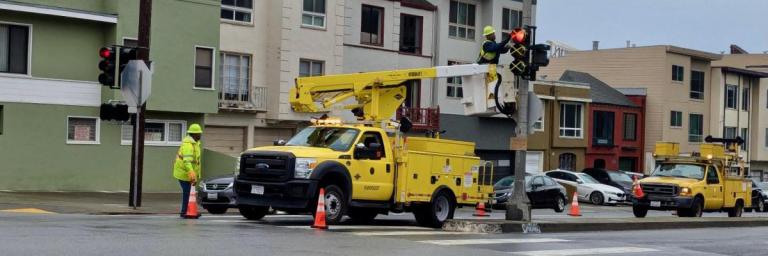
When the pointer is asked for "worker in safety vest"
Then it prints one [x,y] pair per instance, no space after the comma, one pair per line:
[186,167]
[490,51]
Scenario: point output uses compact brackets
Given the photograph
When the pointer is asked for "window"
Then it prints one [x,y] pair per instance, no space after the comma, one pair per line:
[14,49]
[568,162]
[203,68]
[676,119]
[461,20]
[131,42]
[237,10]
[697,85]
[539,124]
[235,77]
[627,164]
[372,25]
[630,127]
[510,19]
[712,177]
[745,137]
[731,92]
[677,73]
[766,137]
[157,132]
[369,138]
[730,133]
[695,128]
[602,128]
[82,130]
[412,94]
[313,14]
[310,68]
[570,120]
[411,28]
[454,84]
[1,119]
[745,98]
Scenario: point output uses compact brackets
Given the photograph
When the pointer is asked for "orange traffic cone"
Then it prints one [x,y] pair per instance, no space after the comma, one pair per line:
[638,190]
[575,205]
[192,205]
[480,210]
[320,214]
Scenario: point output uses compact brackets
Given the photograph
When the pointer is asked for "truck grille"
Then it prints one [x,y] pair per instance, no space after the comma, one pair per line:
[660,189]
[267,166]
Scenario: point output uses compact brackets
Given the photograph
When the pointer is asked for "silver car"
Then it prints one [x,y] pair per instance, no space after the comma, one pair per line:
[216,194]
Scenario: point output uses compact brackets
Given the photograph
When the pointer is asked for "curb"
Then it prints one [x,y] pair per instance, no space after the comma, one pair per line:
[590,225]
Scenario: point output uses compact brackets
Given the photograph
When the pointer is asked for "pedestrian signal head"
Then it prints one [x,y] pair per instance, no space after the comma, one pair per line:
[488,30]
[195,129]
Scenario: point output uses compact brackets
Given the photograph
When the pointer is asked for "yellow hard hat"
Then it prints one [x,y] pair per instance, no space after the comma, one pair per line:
[488,30]
[195,128]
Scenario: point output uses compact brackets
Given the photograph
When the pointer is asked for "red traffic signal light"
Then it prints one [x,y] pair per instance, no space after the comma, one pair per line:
[518,35]
[107,66]
[105,52]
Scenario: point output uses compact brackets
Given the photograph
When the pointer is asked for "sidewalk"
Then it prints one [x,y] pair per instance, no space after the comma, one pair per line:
[90,202]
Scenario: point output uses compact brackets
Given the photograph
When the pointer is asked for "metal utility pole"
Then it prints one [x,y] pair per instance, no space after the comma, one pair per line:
[519,208]
[137,149]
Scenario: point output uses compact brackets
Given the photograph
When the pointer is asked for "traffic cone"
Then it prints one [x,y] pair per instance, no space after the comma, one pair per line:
[320,214]
[638,190]
[192,205]
[575,205]
[480,210]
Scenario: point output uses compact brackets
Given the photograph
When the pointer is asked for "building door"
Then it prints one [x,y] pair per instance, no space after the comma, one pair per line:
[227,140]
[568,161]
[628,164]
[599,164]
[534,161]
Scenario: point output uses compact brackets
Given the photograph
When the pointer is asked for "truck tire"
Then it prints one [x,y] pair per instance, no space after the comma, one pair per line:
[737,210]
[639,211]
[335,204]
[253,212]
[697,209]
[362,215]
[434,214]
[596,198]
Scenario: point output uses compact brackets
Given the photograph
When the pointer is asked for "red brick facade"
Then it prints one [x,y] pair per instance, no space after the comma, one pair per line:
[620,153]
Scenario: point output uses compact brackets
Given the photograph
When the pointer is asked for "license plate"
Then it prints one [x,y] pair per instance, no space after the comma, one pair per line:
[213,196]
[655,203]
[256,189]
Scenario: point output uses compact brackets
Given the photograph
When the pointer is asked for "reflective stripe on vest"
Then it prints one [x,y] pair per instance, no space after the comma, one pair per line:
[182,158]
[486,55]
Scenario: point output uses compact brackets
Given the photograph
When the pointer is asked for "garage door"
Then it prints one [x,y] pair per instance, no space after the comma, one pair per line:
[227,140]
[534,161]
[266,136]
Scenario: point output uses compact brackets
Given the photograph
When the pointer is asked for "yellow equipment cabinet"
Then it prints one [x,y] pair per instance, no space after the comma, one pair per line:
[711,180]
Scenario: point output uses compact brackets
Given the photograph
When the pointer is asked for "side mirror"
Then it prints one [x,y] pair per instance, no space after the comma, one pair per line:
[279,142]
[579,181]
[405,124]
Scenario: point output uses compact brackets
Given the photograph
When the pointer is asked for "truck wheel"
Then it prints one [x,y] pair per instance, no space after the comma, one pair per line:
[559,204]
[439,210]
[596,198]
[362,215]
[335,204]
[737,210]
[217,209]
[697,209]
[253,212]
[639,211]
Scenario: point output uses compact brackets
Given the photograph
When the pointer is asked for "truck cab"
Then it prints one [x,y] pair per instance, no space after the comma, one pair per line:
[709,181]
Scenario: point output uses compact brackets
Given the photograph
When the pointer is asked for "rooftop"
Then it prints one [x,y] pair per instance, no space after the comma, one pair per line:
[599,91]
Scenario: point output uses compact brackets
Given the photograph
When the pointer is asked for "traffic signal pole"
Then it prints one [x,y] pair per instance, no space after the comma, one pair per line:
[137,149]
[519,208]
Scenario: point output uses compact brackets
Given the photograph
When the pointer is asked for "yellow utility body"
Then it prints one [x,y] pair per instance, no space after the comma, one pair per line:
[367,166]
[710,180]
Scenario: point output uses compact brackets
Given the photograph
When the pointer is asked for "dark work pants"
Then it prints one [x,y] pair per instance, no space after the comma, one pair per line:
[185,187]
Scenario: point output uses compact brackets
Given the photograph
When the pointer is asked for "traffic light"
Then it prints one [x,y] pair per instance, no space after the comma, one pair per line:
[117,112]
[539,58]
[520,51]
[107,66]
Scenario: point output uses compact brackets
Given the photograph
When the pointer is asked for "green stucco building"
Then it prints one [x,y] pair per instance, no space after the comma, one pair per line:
[51,138]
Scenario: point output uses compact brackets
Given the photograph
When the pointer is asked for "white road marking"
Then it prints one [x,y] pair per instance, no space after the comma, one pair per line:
[493,241]
[589,251]
[288,216]
[363,227]
[413,233]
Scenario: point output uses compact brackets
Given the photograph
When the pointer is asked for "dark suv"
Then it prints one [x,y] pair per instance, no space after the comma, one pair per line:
[616,179]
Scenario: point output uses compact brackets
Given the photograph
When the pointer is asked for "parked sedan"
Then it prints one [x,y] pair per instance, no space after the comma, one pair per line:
[216,194]
[759,196]
[617,179]
[589,189]
[542,191]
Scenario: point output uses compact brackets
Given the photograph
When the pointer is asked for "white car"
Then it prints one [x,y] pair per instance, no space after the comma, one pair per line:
[589,189]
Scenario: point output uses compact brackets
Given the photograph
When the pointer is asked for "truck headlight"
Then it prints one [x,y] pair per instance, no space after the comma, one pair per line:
[304,167]
[685,191]
[237,164]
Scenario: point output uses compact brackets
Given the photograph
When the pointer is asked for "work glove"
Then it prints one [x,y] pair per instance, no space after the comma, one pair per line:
[192,177]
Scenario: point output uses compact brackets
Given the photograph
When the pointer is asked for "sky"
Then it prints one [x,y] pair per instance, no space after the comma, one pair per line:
[707,25]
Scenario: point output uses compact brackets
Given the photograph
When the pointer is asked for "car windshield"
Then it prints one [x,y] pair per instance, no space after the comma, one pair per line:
[335,138]
[691,171]
[618,176]
[587,179]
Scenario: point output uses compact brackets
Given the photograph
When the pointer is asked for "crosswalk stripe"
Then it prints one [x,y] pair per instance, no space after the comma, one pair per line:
[412,233]
[588,251]
[493,241]
[364,227]
[27,210]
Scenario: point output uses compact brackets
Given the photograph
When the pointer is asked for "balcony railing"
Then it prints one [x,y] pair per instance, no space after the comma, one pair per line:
[254,99]
[423,119]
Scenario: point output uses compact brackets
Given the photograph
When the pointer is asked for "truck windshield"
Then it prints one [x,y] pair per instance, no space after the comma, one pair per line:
[335,138]
[691,171]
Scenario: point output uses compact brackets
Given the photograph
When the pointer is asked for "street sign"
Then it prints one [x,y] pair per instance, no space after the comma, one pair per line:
[136,83]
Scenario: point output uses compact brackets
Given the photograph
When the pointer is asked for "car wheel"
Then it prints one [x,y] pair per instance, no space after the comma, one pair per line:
[253,212]
[640,211]
[559,204]
[760,205]
[335,204]
[362,215]
[217,210]
[737,210]
[440,209]
[596,198]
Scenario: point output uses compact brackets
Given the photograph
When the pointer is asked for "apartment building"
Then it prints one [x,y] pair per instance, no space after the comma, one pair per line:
[49,97]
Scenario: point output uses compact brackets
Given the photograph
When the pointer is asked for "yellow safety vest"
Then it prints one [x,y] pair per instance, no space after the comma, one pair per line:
[489,56]
[187,159]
